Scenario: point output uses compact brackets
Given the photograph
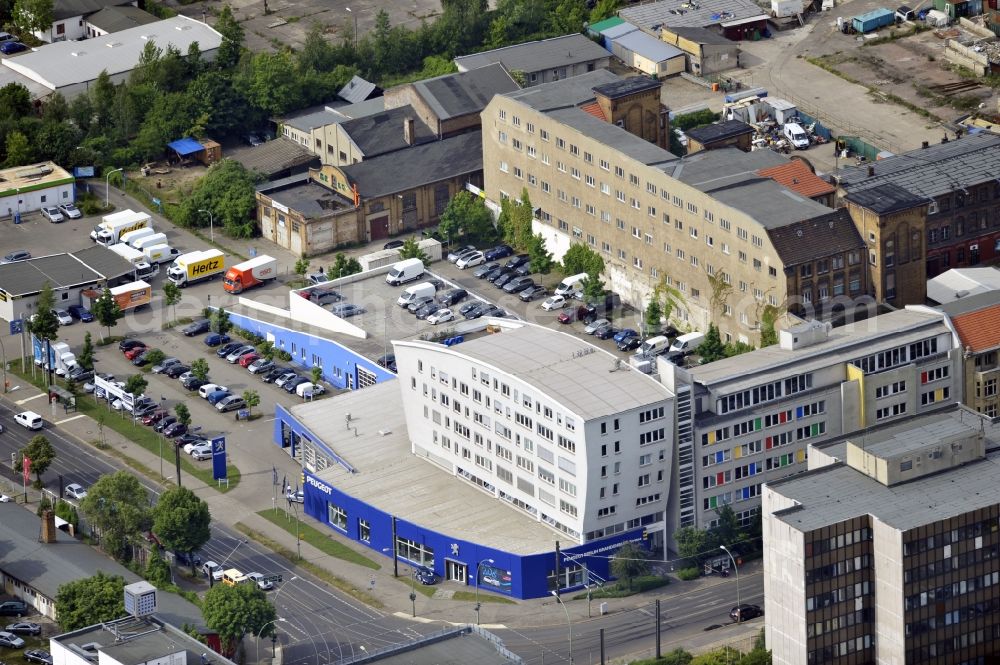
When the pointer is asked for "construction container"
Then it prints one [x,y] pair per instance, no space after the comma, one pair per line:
[873,20]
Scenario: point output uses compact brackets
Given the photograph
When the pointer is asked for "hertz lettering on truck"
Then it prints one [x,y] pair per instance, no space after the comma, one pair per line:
[134,227]
[204,267]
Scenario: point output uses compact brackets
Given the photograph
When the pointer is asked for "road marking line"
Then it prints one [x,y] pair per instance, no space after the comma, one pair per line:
[66,420]
[28,399]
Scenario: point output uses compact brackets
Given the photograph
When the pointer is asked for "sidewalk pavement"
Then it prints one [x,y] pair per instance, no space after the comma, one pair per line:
[241,504]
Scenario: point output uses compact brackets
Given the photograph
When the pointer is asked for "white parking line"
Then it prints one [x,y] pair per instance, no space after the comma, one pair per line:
[28,399]
[66,420]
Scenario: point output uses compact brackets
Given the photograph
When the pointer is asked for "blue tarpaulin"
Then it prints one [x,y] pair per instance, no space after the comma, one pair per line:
[186,146]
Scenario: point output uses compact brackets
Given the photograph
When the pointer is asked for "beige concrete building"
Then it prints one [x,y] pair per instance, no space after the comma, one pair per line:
[888,549]
[700,224]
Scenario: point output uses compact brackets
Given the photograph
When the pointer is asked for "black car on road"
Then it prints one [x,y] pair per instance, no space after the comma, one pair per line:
[745,612]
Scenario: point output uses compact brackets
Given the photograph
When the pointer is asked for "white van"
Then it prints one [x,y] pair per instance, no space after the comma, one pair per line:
[796,135]
[654,346]
[150,241]
[688,342]
[29,420]
[424,289]
[132,236]
[570,284]
[405,271]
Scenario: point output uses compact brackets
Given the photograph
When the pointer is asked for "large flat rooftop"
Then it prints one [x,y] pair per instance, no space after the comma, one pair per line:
[133,641]
[838,492]
[389,477]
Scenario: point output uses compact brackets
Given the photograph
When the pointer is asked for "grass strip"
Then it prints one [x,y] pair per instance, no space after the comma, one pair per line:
[312,568]
[139,434]
[483,598]
[321,541]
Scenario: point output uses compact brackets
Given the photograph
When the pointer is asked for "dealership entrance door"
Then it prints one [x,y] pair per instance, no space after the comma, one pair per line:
[456,571]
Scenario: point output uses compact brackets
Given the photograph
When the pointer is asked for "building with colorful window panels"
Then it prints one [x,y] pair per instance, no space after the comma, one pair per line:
[888,549]
[747,420]
[518,461]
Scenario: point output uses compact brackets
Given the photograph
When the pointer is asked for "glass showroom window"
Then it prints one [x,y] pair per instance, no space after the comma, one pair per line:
[336,516]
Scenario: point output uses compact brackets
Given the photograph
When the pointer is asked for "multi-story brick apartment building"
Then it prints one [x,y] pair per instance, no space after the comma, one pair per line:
[889,551]
[701,224]
[747,420]
[959,178]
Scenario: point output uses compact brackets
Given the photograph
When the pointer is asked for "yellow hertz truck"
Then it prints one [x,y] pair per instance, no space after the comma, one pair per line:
[196,267]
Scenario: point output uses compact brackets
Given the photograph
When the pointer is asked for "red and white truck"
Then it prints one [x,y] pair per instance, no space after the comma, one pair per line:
[255,272]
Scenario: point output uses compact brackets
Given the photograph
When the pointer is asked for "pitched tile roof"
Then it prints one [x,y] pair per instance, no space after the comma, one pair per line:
[797,176]
[816,238]
[979,330]
[886,198]
[594,109]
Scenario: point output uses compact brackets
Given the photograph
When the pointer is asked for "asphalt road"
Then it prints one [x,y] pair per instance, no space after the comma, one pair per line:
[317,626]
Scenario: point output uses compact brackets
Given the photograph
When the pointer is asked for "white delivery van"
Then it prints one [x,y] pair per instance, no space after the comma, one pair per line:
[654,346]
[150,241]
[570,284]
[412,293]
[132,236]
[160,253]
[796,136]
[688,342]
[29,420]
[405,271]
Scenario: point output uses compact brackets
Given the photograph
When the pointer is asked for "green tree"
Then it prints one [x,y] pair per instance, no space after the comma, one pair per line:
[103,97]
[593,289]
[41,453]
[86,356]
[136,384]
[220,321]
[768,333]
[33,15]
[727,531]
[466,215]
[199,368]
[316,374]
[629,562]
[106,310]
[235,611]
[117,506]
[15,102]
[538,256]
[172,295]
[226,189]
[515,221]
[157,570]
[302,266]
[712,348]
[252,399]
[269,82]
[181,520]
[343,266]
[654,314]
[602,10]
[266,350]
[89,601]
[19,150]
[231,47]
[581,259]
[411,250]
[155,357]
[44,324]
[183,413]
[692,544]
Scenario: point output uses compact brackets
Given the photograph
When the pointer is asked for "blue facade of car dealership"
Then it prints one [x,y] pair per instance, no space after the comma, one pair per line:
[449,555]
[342,367]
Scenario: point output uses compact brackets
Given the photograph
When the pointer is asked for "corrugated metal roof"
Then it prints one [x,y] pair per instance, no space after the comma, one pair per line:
[648,46]
[358,90]
[688,13]
[535,56]
[601,26]
[103,261]
[455,95]
[59,270]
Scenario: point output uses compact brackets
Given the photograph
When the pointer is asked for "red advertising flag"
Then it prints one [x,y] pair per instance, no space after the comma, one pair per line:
[27,469]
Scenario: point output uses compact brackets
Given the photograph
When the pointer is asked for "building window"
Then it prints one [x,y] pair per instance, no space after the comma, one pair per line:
[364,531]
[336,516]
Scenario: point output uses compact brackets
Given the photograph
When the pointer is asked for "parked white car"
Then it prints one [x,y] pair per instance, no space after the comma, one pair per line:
[70,210]
[469,260]
[202,451]
[210,388]
[63,317]
[554,302]
[53,214]
[75,491]
[440,316]
[258,579]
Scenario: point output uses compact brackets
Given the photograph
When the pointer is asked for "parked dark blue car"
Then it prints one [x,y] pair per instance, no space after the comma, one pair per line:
[215,339]
[80,313]
[498,252]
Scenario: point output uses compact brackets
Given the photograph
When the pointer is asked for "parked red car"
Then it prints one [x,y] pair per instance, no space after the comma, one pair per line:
[248,358]
[154,417]
[134,351]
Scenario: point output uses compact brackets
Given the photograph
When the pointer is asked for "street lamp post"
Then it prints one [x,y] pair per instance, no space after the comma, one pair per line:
[259,632]
[479,563]
[211,224]
[569,623]
[739,612]
[355,15]
[107,186]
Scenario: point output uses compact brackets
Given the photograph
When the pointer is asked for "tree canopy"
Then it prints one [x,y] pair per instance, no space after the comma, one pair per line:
[466,216]
[90,600]
[41,453]
[235,611]
[106,310]
[181,520]
[117,505]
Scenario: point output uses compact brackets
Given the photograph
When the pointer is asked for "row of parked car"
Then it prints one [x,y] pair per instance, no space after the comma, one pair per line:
[10,636]
[269,372]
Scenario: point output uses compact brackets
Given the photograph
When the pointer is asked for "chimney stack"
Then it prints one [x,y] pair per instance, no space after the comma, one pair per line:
[925,144]
[408,130]
[871,170]
[48,527]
